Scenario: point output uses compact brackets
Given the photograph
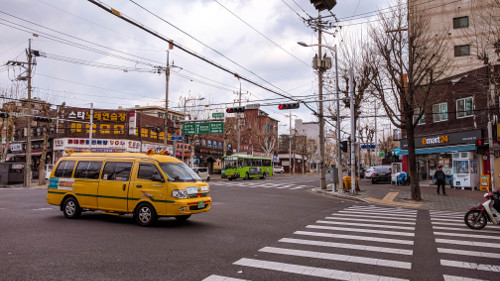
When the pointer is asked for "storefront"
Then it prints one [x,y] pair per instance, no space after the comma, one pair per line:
[456,152]
[17,153]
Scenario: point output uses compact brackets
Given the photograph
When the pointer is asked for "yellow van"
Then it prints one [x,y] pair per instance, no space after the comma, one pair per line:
[148,186]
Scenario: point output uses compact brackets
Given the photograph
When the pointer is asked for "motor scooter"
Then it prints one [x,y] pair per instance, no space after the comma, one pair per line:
[489,210]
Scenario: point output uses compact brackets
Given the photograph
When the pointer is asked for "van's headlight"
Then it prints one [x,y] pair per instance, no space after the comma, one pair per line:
[180,193]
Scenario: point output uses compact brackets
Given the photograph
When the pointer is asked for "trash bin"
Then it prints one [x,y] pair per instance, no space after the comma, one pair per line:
[347,183]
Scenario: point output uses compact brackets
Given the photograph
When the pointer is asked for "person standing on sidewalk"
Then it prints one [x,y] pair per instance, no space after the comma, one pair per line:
[440,179]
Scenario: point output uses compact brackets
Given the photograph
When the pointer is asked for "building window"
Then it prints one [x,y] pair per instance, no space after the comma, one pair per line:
[460,22]
[465,107]
[209,143]
[440,112]
[462,50]
[416,112]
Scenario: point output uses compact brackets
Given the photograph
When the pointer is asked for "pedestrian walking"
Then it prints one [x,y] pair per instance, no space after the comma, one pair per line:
[440,179]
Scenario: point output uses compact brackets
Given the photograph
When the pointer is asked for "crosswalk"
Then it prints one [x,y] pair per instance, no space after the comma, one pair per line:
[261,184]
[457,246]
[356,243]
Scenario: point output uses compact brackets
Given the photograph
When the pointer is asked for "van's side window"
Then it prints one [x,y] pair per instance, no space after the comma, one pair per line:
[147,171]
[117,171]
[88,170]
[65,169]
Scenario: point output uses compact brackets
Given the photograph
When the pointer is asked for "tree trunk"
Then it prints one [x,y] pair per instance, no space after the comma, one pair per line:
[412,163]
[43,157]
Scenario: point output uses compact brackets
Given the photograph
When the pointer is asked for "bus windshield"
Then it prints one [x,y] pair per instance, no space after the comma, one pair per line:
[230,163]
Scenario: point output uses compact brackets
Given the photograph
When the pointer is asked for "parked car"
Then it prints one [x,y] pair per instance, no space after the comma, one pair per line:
[381,173]
[369,172]
[279,170]
[202,172]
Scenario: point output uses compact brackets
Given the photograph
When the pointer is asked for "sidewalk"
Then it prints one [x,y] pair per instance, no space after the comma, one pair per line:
[400,196]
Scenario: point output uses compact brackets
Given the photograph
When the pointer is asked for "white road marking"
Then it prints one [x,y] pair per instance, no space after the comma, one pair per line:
[368,216]
[43,209]
[447,216]
[471,265]
[468,253]
[447,223]
[468,243]
[298,187]
[466,229]
[222,278]
[388,215]
[285,186]
[368,225]
[397,210]
[449,219]
[336,257]
[445,213]
[361,230]
[369,220]
[355,237]
[459,278]
[348,246]
[471,236]
[312,271]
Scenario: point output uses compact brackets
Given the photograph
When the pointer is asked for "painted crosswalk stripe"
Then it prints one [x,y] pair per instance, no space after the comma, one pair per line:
[368,225]
[467,243]
[470,236]
[285,186]
[312,271]
[377,213]
[446,223]
[471,265]
[298,187]
[465,229]
[370,218]
[361,230]
[397,210]
[459,278]
[445,213]
[348,246]
[336,257]
[355,237]
[447,216]
[468,253]
[449,219]
[214,277]
[380,212]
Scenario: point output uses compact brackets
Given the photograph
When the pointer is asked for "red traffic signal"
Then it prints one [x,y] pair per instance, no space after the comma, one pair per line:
[235,109]
[288,106]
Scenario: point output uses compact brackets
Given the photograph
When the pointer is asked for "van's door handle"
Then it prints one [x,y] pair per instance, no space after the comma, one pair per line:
[124,186]
[138,186]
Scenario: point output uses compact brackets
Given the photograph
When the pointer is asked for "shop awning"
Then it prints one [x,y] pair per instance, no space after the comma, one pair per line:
[449,149]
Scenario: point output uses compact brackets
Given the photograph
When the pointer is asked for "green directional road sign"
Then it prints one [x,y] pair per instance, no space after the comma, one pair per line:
[218,115]
[203,128]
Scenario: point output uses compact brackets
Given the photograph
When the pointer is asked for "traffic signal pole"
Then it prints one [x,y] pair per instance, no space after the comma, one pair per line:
[27,171]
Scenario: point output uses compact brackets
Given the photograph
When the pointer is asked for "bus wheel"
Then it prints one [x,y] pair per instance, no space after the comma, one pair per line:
[145,214]
[247,176]
[71,209]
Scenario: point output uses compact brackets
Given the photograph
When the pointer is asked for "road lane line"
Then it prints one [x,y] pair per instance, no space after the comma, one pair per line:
[468,253]
[471,265]
[214,277]
[348,246]
[468,243]
[369,219]
[361,230]
[368,225]
[459,278]
[336,257]
[312,271]
[470,236]
[355,237]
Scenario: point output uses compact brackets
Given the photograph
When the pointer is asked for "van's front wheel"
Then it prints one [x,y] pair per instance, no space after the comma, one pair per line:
[71,209]
[145,215]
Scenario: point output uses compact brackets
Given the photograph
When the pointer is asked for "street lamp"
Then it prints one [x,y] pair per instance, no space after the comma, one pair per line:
[321,135]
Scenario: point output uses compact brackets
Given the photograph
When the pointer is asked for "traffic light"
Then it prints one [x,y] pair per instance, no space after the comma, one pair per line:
[343,146]
[4,115]
[480,147]
[42,119]
[289,106]
[321,5]
[235,109]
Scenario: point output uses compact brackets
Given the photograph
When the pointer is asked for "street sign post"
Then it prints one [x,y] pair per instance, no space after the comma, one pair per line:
[203,128]
[368,146]
[176,138]
[218,115]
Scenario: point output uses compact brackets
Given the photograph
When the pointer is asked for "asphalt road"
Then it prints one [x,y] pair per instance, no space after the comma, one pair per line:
[273,229]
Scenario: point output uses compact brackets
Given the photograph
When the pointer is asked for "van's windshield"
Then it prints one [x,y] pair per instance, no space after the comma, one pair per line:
[179,172]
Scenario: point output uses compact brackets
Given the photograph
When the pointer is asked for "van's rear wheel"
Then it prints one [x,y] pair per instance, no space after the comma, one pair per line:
[145,215]
[71,209]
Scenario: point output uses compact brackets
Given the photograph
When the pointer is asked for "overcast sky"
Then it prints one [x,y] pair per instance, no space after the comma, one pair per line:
[95,57]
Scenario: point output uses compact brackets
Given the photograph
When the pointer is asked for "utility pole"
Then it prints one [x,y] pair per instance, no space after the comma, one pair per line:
[353,132]
[321,118]
[91,129]
[290,144]
[238,120]
[167,78]
[339,152]
[28,172]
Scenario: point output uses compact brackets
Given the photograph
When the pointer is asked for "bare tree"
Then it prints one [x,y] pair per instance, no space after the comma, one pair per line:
[11,107]
[404,58]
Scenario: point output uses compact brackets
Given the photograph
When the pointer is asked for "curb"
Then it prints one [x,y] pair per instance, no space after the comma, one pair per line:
[339,195]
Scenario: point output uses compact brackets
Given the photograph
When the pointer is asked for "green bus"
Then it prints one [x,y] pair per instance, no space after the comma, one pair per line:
[247,167]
